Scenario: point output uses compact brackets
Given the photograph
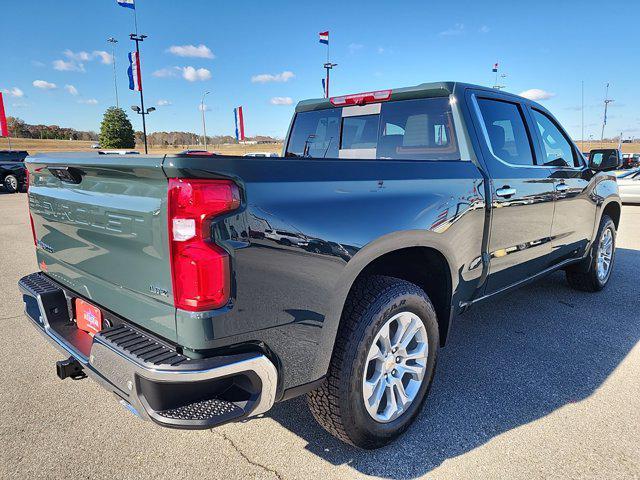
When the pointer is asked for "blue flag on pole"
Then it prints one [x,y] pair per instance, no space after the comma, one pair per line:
[127,3]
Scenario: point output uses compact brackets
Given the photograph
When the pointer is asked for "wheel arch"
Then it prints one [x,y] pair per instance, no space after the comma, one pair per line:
[399,255]
[614,210]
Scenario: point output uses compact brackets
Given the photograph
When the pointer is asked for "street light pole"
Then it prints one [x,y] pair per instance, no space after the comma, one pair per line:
[113,42]
[204,125]
[144,113]
[139,38]
[328,67]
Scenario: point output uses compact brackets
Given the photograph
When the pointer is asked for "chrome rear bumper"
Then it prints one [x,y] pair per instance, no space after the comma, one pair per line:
[148,375]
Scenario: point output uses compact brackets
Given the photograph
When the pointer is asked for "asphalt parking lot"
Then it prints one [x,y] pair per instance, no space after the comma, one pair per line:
[543,383]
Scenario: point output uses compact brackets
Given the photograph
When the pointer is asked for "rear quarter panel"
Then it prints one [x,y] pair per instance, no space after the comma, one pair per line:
[289,297]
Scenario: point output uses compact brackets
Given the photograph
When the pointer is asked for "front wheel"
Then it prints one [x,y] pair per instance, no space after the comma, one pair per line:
[598,272]
[382,366]
[11,184]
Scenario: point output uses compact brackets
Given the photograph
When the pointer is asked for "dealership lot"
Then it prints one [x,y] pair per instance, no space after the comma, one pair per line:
[542,383]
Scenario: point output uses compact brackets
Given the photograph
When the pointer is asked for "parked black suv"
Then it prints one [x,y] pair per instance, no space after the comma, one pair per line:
[12,170]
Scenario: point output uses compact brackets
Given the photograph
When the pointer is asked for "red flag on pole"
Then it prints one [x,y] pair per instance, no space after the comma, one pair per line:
[4,129]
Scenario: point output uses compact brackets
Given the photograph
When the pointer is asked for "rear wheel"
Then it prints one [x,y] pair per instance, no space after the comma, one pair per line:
[598,272]
[382,366]
[11,184]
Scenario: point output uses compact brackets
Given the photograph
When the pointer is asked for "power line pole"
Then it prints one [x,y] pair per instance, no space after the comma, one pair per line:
[113,42]
[204,125]
[607,101]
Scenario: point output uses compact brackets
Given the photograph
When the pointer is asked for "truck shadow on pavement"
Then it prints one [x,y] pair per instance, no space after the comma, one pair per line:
[509,362]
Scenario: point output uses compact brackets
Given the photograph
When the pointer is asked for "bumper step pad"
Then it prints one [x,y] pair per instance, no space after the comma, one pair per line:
[204,410]
[140,345]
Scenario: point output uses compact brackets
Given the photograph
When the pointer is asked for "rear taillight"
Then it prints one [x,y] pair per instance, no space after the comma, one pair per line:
[200,269]
[362,98]
[33,228]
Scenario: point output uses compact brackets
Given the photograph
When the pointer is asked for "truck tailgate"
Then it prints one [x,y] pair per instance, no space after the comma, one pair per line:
[102,232]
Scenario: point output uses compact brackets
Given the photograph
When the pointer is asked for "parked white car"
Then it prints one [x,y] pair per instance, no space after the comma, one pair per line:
[629,186]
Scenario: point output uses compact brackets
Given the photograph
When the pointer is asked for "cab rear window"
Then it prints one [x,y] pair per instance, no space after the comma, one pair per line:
[420,129]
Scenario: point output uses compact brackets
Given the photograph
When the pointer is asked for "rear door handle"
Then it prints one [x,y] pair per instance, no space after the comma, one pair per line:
[562,187]
[506,191]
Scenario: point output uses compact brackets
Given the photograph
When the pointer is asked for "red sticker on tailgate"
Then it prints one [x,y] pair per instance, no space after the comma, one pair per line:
[88,317]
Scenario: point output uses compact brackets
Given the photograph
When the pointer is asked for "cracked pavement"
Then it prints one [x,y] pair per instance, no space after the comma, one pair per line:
[542,383]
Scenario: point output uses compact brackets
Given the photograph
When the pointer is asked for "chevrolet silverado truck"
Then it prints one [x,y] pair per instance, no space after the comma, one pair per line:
[160,276]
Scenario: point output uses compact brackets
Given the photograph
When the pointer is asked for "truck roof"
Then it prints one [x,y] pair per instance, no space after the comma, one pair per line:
[432,89]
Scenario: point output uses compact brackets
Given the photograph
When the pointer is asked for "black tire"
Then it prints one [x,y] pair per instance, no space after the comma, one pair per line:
[585,277]
[338,404]
[11,183]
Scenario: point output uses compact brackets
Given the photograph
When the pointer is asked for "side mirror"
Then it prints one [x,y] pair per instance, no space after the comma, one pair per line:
[604,159]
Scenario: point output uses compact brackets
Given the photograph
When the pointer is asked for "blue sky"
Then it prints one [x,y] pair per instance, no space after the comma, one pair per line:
[264,54]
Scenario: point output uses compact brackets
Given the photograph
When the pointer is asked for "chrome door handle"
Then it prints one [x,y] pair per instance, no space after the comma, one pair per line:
[562,187]
[506,192]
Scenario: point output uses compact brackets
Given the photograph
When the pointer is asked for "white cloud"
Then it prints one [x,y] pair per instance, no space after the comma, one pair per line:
[192,74]
[13,92]
[193,51]
[37,63]
[71,90]
[77,56]
[206,107]
[163,103]
[166,72]
[383,50]
[70,66]
[355,47]
[268,77]
[75,60]
[537,94]
[458,29]
[281,101]
[89,101]
[484,29]
[44,85]
[105,57]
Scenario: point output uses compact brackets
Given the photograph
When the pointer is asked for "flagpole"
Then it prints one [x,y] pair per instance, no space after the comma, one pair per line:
[113,42]
[328,67]
[135,19]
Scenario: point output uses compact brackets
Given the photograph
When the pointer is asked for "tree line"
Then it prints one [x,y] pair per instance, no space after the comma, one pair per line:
[18,128]
[185,139]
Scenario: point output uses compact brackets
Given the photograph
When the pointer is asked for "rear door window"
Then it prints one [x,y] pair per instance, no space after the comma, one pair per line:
[508,137]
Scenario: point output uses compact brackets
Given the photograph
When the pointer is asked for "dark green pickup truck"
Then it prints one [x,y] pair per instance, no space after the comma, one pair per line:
[202,289]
